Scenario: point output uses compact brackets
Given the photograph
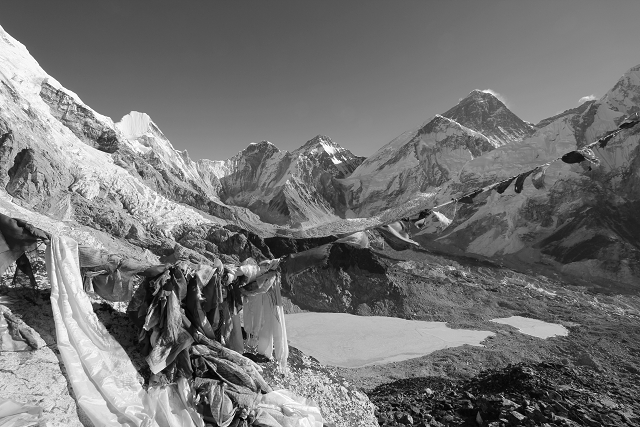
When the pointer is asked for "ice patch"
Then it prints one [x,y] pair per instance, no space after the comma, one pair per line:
[534,327]
[371,340]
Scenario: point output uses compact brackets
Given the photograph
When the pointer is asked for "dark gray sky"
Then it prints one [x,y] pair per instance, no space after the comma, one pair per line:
[217,75]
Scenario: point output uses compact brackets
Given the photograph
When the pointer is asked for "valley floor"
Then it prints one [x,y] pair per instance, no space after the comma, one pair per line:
[600,355]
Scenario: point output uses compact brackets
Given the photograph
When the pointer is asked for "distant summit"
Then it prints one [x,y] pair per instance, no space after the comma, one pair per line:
[482,112]
[335,159]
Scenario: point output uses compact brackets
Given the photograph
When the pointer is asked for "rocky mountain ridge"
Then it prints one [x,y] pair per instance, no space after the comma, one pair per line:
[424,159]
[123,187]
[581,223]
[287,188]
[73,163]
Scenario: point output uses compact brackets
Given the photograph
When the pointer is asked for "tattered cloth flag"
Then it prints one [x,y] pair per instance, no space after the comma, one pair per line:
[397,231]
[469,197]
[630,121]
[485,193]
[443,219]
[590,156]
[605,140]
[520,180]
[538,177]
[502,186]
[579,156]
[420,219]
[108,275]
[16,238]
[573,157]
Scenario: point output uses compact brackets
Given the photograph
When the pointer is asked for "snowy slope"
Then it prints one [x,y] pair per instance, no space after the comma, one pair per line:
[294,189]
[483,112]
[583,221]
[423,159]
[60,145]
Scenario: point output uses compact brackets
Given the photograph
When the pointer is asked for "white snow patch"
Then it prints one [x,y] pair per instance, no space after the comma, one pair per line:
[134,124]
[586,98]
[534,327]
[369,340]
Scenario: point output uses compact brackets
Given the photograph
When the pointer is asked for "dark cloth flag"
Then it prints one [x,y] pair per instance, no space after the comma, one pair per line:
[501,187]
[573,157]
[16,238]
[469,197]
[520,180]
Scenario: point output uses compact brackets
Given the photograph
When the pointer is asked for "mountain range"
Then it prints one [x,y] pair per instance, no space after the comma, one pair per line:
[73,169]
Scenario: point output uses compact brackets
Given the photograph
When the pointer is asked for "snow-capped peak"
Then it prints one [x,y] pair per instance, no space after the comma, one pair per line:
[625,95]
[484,112]
[322,147]
[135,124]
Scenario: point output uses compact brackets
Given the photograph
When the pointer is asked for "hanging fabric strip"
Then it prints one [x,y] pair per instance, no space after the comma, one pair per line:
[102,376]
[537,178]
[605,140]
[16,238]
[443,219]
[24,265]
[280,341]
[502,186]
[104,380]
[520,180]
[468,199]
[573,157]
[630,121]
[397,230]
[589,155]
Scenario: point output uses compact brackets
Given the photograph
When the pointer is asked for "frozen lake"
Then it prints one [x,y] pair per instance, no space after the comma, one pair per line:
[350,341]
[534,327]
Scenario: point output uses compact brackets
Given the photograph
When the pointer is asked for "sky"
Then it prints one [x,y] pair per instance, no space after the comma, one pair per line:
[218,75]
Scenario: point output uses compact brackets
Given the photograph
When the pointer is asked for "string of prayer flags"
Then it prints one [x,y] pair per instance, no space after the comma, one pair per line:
[537,175]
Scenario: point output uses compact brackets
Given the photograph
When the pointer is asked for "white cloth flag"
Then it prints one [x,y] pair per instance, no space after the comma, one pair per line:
[103,378]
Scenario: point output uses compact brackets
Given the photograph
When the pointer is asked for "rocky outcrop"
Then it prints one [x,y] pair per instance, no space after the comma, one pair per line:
[351,280]
[522,394]
[341,404]
[80,120]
